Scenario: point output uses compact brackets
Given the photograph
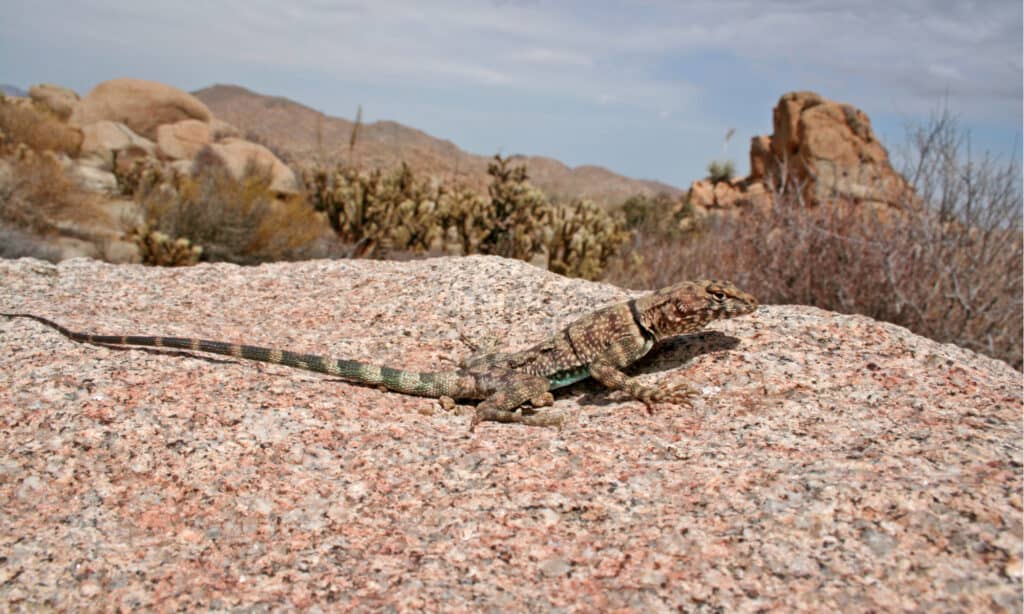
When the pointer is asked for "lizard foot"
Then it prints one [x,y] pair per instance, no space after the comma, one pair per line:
[545,400]
[490,414]
[678,394]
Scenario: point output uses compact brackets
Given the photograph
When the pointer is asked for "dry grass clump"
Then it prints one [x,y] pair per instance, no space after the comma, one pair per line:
[227,219]
[41,130]
[36,193]
[948,267]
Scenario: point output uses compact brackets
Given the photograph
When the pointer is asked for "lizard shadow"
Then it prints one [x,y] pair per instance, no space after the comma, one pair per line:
[167,352]
[667,356]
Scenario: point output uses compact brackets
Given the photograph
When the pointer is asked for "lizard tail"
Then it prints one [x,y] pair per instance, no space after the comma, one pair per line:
[429,384]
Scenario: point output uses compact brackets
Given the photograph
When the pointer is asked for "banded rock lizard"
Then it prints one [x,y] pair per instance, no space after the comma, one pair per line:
[598,345]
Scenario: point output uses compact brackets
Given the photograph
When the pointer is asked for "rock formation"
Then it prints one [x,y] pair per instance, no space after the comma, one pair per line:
[183,140]
[141,105]
[237,154]
[60,100]
[123,120]
[829,462]
[822,150]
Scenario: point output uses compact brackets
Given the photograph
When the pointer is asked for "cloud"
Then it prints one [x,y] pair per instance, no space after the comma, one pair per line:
[575,65]
[909,48]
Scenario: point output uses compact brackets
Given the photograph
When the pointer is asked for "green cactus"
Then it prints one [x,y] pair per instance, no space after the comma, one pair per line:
[381,212]
[584,237]
[158,249]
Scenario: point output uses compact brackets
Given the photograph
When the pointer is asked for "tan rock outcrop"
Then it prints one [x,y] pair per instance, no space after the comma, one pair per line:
[60,100]
[94,179]
[702,194]
[141,105]
[182,140]
[238,154]
[760,157]
[104,139]
[830,150]
[727,194]
[829,458]
[825,149]
[220,130]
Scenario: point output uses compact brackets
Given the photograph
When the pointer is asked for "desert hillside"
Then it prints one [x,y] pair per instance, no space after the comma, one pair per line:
[303,135]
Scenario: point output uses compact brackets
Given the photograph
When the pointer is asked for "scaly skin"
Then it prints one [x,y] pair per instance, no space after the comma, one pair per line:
[598,345]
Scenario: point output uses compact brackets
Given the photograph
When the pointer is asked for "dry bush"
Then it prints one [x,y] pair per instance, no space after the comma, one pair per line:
[948,267]
[232,220]
[36,194]
[39,129]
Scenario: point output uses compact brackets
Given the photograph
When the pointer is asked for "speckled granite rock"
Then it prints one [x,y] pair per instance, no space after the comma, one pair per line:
[832,462]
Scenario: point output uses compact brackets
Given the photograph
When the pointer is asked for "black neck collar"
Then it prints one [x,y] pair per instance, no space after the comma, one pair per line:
[646,332]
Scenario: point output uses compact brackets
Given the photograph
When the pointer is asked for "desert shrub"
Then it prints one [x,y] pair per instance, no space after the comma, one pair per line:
[721,170]
[657,215]
[384,213]
[947,266]
[36,194]
[227,219]
[37,128]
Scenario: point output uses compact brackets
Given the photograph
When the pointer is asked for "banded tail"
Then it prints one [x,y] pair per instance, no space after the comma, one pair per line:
[428,384]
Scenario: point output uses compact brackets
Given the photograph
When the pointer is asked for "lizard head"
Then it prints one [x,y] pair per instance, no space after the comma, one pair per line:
[686,307]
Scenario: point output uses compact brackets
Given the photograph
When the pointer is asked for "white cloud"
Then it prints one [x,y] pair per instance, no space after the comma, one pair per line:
[681,64]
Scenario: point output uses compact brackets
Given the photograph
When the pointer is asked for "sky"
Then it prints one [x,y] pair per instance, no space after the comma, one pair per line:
[649,89]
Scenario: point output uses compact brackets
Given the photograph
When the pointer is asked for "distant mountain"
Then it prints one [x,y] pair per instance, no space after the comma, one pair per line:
[303,135]
[12,90]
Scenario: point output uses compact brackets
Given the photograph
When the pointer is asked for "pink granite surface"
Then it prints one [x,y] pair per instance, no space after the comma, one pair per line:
[831,463]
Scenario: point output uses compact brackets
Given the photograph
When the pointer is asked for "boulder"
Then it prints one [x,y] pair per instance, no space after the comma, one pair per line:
[60,100]
[141,105]
[182,140]
[220,130]
[827,149]
[238,154]
[702,194]
[122,252]
[760,157]
[831,462]
[758,195]
[103,139]
[830,149]
[72,247]
[94,179]
[727,195]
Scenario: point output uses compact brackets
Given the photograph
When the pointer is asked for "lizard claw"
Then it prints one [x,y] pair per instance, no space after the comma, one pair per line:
[678,394]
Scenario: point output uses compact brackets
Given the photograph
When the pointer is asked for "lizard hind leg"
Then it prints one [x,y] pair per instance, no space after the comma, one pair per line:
[511,394]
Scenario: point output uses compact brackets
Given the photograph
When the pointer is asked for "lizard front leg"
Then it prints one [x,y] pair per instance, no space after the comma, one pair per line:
[612,377]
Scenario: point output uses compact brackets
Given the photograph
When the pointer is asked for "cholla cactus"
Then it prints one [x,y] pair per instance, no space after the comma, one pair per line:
[142,174]
[583,238]
[159,249]
[380,212]
[521,212]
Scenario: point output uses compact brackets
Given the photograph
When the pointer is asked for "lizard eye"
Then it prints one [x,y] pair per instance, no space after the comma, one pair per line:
[719,296]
